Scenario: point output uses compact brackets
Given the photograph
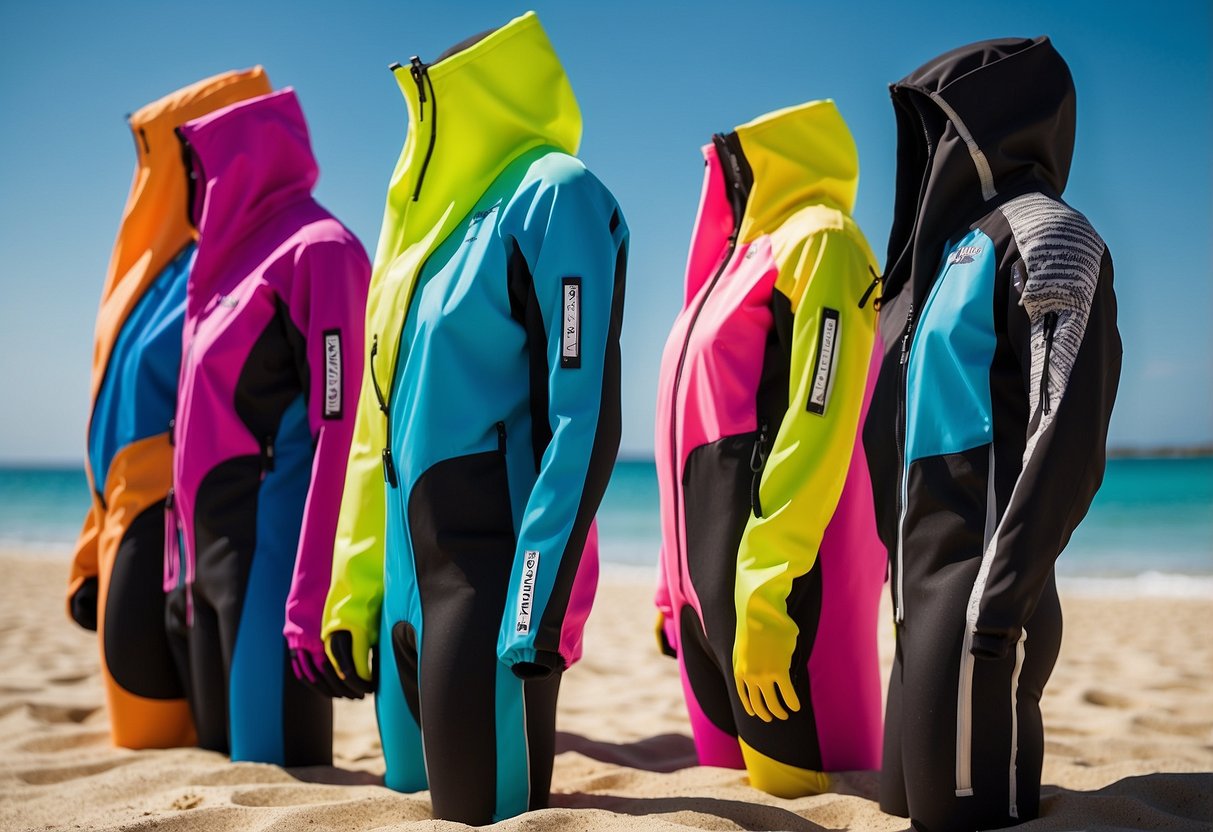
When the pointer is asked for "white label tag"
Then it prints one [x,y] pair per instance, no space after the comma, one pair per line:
[827,348]
[332,374]
[526,591]
[570,322]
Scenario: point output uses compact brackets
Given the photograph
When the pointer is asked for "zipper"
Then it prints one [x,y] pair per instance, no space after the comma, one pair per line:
[736,190]
[421,77]
[172,555]
[389,466]
[193,175]
[758,461]
[501,438]
[1050,328]
[267,455]
[899,613]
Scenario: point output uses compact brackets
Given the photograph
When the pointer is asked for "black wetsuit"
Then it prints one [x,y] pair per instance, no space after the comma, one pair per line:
[987,429]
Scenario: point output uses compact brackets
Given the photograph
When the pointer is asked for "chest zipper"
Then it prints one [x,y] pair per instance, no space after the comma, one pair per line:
[421,77]
[501,438]
[899,612]
[731,168]
[758,461]
[389,465]
[1050,329]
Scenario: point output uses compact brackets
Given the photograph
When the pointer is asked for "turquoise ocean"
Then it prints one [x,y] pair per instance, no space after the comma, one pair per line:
[1150,530]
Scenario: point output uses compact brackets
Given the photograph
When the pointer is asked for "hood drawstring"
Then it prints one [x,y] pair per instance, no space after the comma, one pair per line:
[877,279]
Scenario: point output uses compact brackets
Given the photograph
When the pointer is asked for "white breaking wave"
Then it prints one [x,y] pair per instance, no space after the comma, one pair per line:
[1144,585]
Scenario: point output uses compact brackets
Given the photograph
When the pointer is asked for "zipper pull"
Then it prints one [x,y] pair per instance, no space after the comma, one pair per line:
[757,461]
[417,69]
[501,438]
[876,281]
[172,434]
[1050,327]
[389,468]
[169,499]
[267,454]
[374,380]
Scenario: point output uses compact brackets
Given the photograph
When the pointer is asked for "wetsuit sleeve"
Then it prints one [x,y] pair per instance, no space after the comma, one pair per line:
[84,561]
[1069,336]
[802,480]
[570,238]
[328,305]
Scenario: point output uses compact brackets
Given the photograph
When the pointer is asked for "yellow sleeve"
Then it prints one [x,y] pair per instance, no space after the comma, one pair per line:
[806,469]
[356,588]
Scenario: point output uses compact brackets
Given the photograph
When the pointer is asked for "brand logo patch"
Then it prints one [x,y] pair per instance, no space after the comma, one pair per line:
[332,374]
[570,323]
[526,591]
[228,301]
[827,350]
[964,254]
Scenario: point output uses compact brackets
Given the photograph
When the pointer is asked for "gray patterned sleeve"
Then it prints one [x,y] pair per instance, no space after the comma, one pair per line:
[1075,355]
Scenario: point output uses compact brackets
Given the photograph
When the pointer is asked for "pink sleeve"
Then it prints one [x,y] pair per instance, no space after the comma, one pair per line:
[328,304]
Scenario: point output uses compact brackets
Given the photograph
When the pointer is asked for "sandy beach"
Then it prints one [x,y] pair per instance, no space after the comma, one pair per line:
[1128,714]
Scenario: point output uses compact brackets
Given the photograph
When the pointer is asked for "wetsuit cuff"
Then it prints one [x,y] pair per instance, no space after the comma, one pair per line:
[989,647]
[539,664]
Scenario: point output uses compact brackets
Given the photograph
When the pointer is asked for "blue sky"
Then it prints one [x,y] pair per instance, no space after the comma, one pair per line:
[654,80]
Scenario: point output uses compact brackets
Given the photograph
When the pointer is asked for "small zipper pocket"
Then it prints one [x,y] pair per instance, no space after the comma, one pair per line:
[172,544]
[758,460]
[1050,327]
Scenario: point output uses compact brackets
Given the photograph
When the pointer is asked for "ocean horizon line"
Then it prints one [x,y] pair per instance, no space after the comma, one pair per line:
[1198,451]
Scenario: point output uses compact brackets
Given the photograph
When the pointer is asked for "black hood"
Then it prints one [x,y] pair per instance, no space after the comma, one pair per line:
[976,126]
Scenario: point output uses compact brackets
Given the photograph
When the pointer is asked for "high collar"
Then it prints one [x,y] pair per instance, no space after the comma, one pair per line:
[486,102]
[796,156]
[154,219]
[249,161]
[976,126]
[154,228]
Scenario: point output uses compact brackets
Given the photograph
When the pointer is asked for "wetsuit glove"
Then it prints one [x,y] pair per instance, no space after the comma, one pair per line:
[765,694]
[84,604]
[343,656]
[314,668]
[663,641]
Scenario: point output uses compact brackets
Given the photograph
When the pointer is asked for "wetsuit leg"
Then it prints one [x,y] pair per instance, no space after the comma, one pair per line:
[208,675]
[145,693]
[973,761]
[473,718]
[709,696]
[892,771]
[275,718]
[246,698]
[539,699]
[397,707]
